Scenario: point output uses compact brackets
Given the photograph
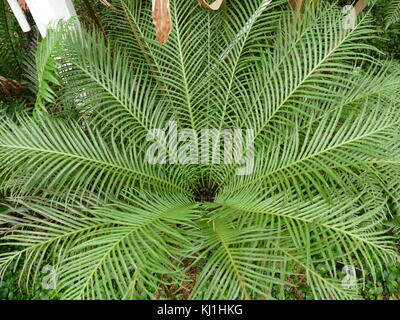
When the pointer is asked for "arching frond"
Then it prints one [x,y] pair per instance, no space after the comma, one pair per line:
[46,66]
[335,145]
[237,268]
[316,231]
[10,44]
[393,13]
[61,156]
[100,247]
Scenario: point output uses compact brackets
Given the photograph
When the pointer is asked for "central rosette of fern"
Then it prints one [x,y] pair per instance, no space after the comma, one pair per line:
[205,194]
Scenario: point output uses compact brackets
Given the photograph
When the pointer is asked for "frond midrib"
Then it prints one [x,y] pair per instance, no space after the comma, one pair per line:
[294,163]
[100,162]
[308,221]
[316,274]
[233,263]
[125,236]
[290,94]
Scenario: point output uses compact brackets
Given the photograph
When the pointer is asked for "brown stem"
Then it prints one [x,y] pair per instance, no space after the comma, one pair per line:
[11,88]
[23,5]
[296,4]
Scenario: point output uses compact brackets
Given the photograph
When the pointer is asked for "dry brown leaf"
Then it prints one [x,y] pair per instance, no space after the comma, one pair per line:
[23,5]
[106,3]
[162,20]
[213,6]
[11,88]
[360,5]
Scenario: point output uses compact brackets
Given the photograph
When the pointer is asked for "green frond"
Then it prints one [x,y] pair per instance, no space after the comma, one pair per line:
[10,44]
[316,231]
[393,13]
[100,247]
[127,98]
[317,156]
[236,267]
[58,156]
[47,65]
[300,75]
[126,103]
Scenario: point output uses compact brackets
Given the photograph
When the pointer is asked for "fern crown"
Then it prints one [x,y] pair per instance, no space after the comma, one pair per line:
[325,122]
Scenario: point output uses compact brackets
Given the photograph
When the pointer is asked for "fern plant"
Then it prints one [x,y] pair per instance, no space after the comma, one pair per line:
[393,13]
[10,45]
[326,146]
